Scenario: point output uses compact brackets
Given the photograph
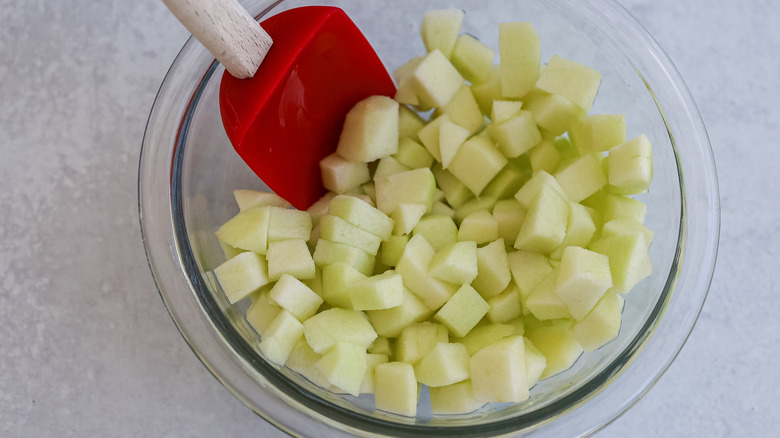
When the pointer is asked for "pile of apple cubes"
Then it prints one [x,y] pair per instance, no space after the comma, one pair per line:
[474,253]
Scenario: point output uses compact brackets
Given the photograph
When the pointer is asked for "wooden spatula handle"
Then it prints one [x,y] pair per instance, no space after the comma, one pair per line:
[227,30]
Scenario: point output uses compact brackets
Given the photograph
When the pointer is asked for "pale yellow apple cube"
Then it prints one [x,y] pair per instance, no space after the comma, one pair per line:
[531,189]
[483,335]
[488,91]
[295,297]
[456,263]
[370,130]
[504,110]
[509,215]
[626,225]
[528,270]
[336,229]
[516,135]
[290,257]
[535,363]
[445,364]
[630,166]
[436,80]
[242,275]
[430,136]
[417,186]
[280,337]
[463,311]
[576,82]
[498,372]
[409,123]
[412,154]
[391,249]
[361,214]
[476,163]
[554,113]
[391,322]
[457,398]
[417,339]
[439,230]
[455,192]
[629,261]
[381,291]
[253,198]
[558,346]
[520,51]
[598,133]
[262,312]
[344,365]
[480,227]
[248,230]
[601,325]
[395,388]
[340,175]
[381,345]
[328,253]
[463,110]
[544,226]
[544,156]
[388,166]
[544,303]
[505,306]
[329,327]
[583,278]
[413,267]
[407,216]
[336,281]
[493,269]
[372,360]
[451,138]
[582,178]
[440,28]
[472,58]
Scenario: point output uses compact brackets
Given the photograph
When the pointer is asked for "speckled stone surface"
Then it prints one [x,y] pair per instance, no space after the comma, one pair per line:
[86,346]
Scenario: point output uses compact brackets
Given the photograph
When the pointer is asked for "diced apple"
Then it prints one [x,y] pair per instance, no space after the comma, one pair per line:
[440,28]
[554,113]
[430,136]
[455,192]
[372,360]
[531,189]
[626,225]
[436,80]
[483,335]
[413,154]
[416,186]
[480,227]
[388,166]
[457,398]
[391,249]
[583,277]
[370,130]
[528,270]
[295,297]
[582,178]
[601,325]
[328,253]
[340,175]
[472,58]
[505,306]
[361,214]
[557,345]
[395,388]
[520,51]
[476,163]
[335,229]
[493,268]
[253,198]
[463,311]
[344,365]
[498,372]
[248,230]
[262,312]
[438,230]
[544,156]
[303,360]
[242,275]
[416,340]
[456,263]
[598,133]
[535,363]
[613,206]
[544,226]
[329,327]
[451,138]
[409,123]
[516,135]
[407,216]
[509,216]
[290,257]
[504,110]
[630,166]
[336,281]
[381,345]
[576,82]
[544,303]
[381,291]
[463,110]
[447,363]
[391,322]
[413,267]
[280,337]
[629,261]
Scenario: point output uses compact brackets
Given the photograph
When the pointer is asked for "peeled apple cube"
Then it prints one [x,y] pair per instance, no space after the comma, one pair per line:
[483,335]
[498,372]
[531,189]
[456,263]
[439,230]
[388,166]
[509,216]
[370,130]
[329,327]
[493,269]
[407,216]
[395,388]
[242,275]
[412,154]
[488,90]
[601,325]
[520,51]
[286,223]
[463,311]
[505,306]
[516,135]
[445,364]
[528,270]
[582,178]
[554,113]
[290,257]
[598,133]
[328,253]
[295,297]
[535,363]
[413,267]
[463,110]
[558,346]
[451,138]
[416,186]
[544,226]
[246,199]
[381,291]
[544,156]
[626,225]
[576,82]
[335,229]
[262,312]
[361,214]
[629,261]
[372,360]
[476,163]
[391,249]
[344,365]
[480,227]
[544,303]
[630,166]
[440,28]
[435,80]
[472,58]
[457,398]
[430,136]
[416,340]
[248,230]
[391,322]
[583,278]
[303,360]
[340,175]
[409,123]
[504,110]
[280,337]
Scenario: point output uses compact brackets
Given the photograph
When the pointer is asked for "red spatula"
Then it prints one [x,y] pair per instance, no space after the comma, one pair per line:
[284,116]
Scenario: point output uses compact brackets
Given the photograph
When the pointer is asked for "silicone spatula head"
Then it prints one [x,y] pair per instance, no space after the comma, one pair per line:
[289,115]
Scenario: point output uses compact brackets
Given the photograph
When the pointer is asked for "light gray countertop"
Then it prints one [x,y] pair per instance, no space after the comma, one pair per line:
[86,346]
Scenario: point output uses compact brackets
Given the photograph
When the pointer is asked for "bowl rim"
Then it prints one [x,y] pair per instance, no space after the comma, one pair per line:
[169,259]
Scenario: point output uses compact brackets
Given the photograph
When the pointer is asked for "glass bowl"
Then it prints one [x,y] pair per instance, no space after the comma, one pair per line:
[188,171]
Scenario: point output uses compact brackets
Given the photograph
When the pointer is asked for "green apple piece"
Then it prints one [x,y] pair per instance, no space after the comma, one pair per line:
[520,51]
[280,337]
[456,263]
[229,251]
[262,312]
[361,214]
[528,270]
[405,93]
[412,154]
[567,150]
[554,113]
[413,267]
[480,227]
[290,257]
[476,163]
[337,278]
[576,82]
[472,58]
[370,130]
[612,206]
[447,363]
[391,322]
[395,388]
[473,205]
[440,28]
[391,249]
[242,275]
[381,291]
[416,186]
[381,345]
[544,156]
[436,80]
[416,340]
[507,182]
[583,278]
[253,198]
[488,91]
[626,225]
[248,230]
[462,311]
[483,335]
[580,229]
[443,209]
[344,365]
[582,178]
[504,110]
[544,303]
[629,261]
[329,327]
[601,325]
[430,136]
[372,360]
[516,135]
[327,253]
[505,306]
[286,223]
[407,216]
[336,229]
[598,133]
[535,363]
[388,166]
[406,69]
[509,216]
[463,110]
[320,208]
[558,346]
[530,190]
[409,123]
[303,360]
[454,399]
[455,192]
[340,175]
[438,230]
[544,226]
[493,266]
[451,138]
[630,166]
[295,297]
[498,372]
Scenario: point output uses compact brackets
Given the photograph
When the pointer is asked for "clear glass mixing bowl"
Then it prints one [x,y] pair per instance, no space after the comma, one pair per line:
[188,171]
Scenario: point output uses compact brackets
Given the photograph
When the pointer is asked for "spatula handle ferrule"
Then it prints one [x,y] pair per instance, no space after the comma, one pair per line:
[227,30]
